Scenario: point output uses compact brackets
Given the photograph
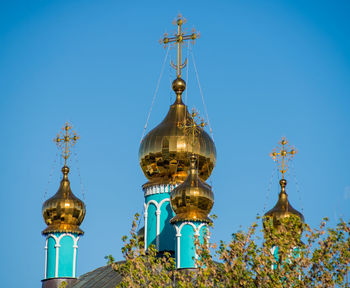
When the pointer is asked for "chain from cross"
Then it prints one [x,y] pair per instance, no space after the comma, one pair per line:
[179,39]
[65,140]
[192,126]
[282,155]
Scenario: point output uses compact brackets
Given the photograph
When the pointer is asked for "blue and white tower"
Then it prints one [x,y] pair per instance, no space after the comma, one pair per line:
[164,159]
[63,214]
[283,209]
[192,202]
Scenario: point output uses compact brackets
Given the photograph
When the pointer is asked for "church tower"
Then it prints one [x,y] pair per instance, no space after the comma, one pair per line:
[283,209]
[192,202]
[63,213]
[165,158]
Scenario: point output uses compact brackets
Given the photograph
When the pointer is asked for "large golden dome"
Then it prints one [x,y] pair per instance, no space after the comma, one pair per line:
[282,208]
[64,212]
[164,152]
[193,199]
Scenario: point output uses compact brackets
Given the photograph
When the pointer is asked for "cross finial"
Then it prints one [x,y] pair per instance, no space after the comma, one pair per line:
[65,140]
[282,155]
[179,39]
[193,126]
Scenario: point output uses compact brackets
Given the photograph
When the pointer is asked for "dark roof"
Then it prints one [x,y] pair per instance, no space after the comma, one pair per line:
[103,277]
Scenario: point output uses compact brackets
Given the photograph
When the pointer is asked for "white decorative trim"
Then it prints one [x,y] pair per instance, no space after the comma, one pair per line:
[196,231]
[158,213]
[272,250]
[54,237]
[146,218]
[159,189]
[155,203]
[162,202]
[178,238]
[188,223]
[75,239]
[201,225]
[46,257]
[178,241]
[145,232]
[75,246]
[57,246]
[158,227]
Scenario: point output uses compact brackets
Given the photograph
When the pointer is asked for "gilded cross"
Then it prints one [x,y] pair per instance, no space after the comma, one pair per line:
[282,155]
[179,39]
[193,126]
[65,140]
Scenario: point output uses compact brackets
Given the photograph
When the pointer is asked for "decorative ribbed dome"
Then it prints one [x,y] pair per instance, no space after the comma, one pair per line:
[282,208]
[64,212]
[193,199]
[164,152]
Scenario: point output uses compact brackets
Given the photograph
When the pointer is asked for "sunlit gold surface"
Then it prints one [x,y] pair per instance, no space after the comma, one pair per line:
[164,152]
[193,199]
[283,208]
[64,212]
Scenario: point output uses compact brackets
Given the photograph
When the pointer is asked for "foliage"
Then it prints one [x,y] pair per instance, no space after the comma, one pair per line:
[110,259]
[322,260]
[63,284]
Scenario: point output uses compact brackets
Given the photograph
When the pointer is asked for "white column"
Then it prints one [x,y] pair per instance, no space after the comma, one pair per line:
[74,258]
[146,215]
[46,257]
[158,227]
[57,246]
[195,252]
[178,238]
[208,237]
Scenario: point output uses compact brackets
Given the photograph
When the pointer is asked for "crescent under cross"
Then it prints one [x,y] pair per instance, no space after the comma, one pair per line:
[179,39]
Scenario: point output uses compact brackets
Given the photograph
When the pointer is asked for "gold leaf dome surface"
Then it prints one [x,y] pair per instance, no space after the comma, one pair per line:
[64,212]
[193,199]
[283,208]
[164,152]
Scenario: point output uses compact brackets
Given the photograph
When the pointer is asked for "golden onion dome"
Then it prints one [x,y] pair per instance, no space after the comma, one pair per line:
[64,212]
[193,199]
[164,152]
[283,208]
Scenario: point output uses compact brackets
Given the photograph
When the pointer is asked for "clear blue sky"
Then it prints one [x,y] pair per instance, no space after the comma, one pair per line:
[267,68]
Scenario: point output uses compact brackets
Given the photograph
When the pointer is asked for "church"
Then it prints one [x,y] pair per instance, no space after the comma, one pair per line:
[176,157]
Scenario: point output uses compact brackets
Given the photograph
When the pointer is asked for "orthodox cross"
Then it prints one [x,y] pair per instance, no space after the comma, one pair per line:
[282,155]
[65,140]
[179,39]
[192,126]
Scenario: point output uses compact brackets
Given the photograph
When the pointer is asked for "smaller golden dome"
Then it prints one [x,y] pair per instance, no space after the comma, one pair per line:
[63,212]
[282,208]
[193,199]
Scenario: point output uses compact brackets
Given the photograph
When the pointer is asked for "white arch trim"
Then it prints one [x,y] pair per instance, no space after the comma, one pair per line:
[196,231]
[57,246]
[158,213]
[188,223]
